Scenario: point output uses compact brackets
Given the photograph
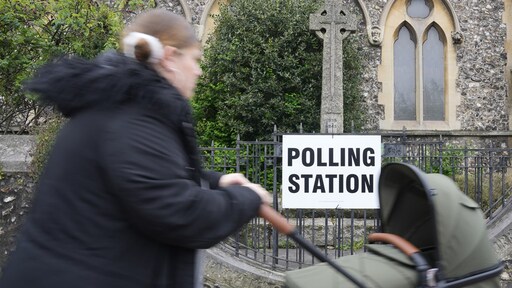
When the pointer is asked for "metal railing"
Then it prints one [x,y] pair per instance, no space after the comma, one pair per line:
[483,174]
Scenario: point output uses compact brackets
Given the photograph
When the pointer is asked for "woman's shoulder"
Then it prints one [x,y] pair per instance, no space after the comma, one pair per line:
[148,114]
[164,101]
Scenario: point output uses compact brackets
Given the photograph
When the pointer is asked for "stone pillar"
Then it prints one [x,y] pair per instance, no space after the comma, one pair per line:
[332,24]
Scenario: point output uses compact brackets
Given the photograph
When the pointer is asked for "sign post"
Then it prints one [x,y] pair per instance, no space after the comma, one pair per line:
[331,171]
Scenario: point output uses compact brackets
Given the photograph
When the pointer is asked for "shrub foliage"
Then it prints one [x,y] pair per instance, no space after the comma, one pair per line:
[262,67]
[32,33]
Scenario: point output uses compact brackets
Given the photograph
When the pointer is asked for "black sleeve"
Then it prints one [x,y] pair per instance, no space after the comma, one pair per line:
[212,177]
[147,167]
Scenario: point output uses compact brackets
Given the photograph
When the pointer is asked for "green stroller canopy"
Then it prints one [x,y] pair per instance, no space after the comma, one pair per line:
[430,212]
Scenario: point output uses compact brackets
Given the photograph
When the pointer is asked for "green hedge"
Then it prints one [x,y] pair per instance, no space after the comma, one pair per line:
[34,32]
[263,67]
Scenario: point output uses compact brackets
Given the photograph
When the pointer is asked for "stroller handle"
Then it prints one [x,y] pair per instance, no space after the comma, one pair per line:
[276,219]
[281,224]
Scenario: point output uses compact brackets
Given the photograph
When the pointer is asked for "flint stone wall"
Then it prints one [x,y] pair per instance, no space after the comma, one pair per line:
[481,58]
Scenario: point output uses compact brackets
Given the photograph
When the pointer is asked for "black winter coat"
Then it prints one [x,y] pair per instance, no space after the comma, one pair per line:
[119,204]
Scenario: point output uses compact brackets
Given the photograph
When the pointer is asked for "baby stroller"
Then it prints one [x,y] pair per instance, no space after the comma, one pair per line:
[433,236]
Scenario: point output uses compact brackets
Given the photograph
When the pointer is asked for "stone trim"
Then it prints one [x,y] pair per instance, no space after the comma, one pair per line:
[507,19]
[206,24]
[377,36]
[374,32]
[186,10]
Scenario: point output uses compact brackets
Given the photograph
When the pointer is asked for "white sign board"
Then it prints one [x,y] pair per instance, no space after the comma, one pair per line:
[331,171]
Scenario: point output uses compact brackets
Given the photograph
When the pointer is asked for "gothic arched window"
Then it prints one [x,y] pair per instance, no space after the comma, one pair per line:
[433,76]
[405,75]
[418,67]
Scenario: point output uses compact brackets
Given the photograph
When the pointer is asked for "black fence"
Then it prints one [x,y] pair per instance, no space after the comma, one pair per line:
[483,174]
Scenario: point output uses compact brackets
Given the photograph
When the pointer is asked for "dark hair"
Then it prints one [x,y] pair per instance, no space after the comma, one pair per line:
[171,29]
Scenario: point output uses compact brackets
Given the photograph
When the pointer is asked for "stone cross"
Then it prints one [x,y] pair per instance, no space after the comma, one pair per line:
[332,24]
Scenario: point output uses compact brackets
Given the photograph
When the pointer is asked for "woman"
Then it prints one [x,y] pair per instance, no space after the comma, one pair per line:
[123,201]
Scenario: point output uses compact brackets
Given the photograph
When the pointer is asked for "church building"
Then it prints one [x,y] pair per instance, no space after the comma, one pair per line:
[438,67]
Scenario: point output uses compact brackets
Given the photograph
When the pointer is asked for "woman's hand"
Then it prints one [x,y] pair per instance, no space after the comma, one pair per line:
[232,179]
[265,196]
[239,179]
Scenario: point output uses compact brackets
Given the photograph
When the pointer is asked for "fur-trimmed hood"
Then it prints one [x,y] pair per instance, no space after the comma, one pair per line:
[73,84]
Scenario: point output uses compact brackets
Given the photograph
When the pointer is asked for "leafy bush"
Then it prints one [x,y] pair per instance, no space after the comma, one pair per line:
[32,33]
[431,157]
[477,179]
[263,67]
[448,162]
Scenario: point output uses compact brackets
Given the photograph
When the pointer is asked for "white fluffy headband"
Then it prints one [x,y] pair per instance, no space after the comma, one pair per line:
[155,46]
